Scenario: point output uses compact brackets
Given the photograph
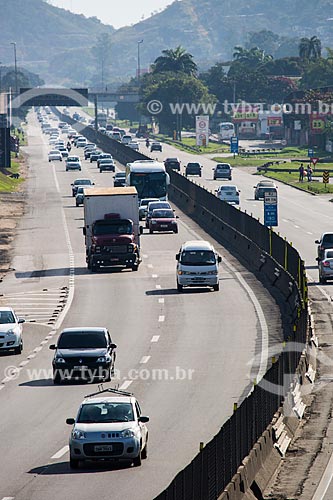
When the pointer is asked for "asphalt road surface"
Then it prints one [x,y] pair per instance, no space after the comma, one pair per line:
[210,345]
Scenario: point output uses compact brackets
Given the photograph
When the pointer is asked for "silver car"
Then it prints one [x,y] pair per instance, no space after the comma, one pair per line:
[79,197]
[107,428]
[326,266]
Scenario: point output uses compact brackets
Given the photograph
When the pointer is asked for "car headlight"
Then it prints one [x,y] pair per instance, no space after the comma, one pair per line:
[11,332]
[184,272]
[76,434]
[60,360]
[212,272]
[127,433]
[103,359]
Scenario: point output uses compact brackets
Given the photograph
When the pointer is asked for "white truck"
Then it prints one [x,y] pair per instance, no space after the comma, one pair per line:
[111,227]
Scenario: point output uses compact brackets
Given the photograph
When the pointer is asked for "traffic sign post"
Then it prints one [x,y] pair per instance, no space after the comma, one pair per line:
[234,144]
[270,208]
[314,161]
[326,177]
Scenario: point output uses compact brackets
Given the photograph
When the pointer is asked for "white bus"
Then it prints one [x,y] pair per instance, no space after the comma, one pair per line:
[149,177]
[226,131]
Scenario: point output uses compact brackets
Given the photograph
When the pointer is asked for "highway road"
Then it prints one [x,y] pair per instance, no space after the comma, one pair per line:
[210,352]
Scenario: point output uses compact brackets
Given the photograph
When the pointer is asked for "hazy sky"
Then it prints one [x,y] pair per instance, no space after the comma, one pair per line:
[116,12]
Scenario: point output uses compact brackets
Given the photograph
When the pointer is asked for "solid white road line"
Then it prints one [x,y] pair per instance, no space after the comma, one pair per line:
[144,359]
[8,498]
[150,266]
[155,338]
[125,384]
[161,319]
[61,452]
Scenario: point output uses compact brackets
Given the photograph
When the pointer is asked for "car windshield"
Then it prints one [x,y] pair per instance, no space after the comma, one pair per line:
[223,167]
[228,188]
[120,175]
[73,158]
[6,317]
[154,206]
[145,202]
[196,165]
[54,152]
[106,412]
[113,228]
[82,340]
[80,190]
[162,214]
[198,258]
[328,238]
[82,182]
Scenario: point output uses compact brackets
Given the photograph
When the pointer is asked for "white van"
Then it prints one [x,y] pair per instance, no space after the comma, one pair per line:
[197,265]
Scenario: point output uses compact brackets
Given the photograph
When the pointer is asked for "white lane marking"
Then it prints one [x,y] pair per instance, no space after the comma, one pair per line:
[23,363]
[144,359]
[262,320]
[39,348]
[8,498]
[71,284]
[150,266]
[324,482]
[158,287]
[154,276]
[161,301]
[145,256]
[309,232]
[155,338]
[61,452]
[31,356]
[1,386]
[125,384]
[161,319]
[297,227]
[285,220]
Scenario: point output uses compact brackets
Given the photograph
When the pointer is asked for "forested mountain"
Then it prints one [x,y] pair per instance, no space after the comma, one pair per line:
[57,44]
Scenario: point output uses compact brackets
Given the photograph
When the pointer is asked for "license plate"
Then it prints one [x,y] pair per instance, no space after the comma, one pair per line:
[80,367]
[164,225]
[103,447]
[114,259]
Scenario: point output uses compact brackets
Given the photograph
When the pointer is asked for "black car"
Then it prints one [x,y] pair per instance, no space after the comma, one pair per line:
[83,354]
[173,163]
[193,168]
[94,155]
[119,180]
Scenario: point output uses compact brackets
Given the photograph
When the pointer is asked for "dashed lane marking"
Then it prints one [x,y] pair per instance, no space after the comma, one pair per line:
[161,319]
[61,452]
[155,338]
[144,359]
[125,385]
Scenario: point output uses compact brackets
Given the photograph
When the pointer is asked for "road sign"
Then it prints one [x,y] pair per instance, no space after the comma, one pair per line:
[326,177]
[314,161]
[270,208]
[234,145]
[310,152]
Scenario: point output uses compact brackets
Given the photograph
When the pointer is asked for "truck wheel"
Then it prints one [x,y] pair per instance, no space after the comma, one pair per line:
[73,463]
[151,231]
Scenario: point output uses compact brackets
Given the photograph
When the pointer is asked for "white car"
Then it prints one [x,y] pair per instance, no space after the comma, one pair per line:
[55,154]
[10,330]
[133,145]
[126,139]
[108,427]
[73,163]
[228,193]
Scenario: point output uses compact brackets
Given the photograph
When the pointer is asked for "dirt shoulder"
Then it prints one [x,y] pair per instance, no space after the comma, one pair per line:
[12,206]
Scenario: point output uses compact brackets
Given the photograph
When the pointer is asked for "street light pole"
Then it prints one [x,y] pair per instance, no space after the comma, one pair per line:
[0,78]
[139,69]
[15,62]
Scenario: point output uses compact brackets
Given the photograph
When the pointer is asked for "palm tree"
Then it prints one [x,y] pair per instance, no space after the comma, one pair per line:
[310,48]
[175,60]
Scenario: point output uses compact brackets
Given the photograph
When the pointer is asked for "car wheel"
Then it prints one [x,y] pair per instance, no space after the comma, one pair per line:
[77,204]
[229,178]
[73,463]
[49,160]
[176,230]
[56,378]
[66,169]
[216,287]
[151,231]
[144,453]
[19,348]
[100,170]
[179,287]
[93,267]
[199,175]
[256,198]
[137,460]
[135,267]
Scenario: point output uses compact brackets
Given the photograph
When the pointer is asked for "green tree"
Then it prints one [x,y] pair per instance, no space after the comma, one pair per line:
[310,48]
[265,39]
[102,53]
[175,60]
[173,89]
[319,73]
[9,81]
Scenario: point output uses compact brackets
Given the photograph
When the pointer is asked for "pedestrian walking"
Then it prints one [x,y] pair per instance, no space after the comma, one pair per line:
[301,173]
[309,173]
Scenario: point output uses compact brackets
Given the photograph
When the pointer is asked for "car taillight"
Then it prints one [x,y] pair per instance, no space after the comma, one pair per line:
[326,263]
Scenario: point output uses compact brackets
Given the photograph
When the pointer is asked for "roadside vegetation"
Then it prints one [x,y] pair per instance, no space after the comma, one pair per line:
[7,183]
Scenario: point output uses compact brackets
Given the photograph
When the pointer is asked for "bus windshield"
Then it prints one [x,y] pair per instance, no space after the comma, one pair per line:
[149,184]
